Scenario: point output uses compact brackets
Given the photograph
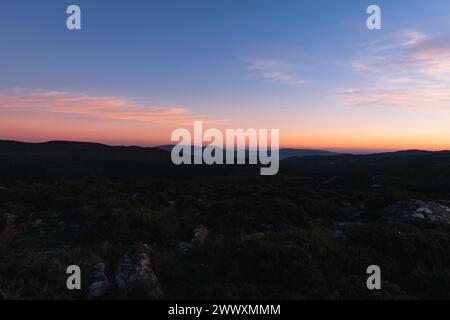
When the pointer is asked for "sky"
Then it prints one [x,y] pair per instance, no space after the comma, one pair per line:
[139,69]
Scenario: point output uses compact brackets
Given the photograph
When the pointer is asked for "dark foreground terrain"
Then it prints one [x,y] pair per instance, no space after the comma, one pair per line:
[141,228]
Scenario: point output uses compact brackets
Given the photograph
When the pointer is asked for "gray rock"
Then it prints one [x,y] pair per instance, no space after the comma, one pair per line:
[349,224]
[418,211]
[99,282]
[338,234]
[345,204]
[267,226]
[418,216]
[98,289]
[76,229]
[256,235]
[172,203]
[184,247]
[200,234]
[52,252]
[10,218]
[54,215]
[135,276]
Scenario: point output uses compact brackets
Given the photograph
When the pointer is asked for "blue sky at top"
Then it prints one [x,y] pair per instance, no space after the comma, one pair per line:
[241,59]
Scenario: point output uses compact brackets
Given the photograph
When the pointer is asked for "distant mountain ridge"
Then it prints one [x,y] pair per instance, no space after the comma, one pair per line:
[285,153]
[68,160]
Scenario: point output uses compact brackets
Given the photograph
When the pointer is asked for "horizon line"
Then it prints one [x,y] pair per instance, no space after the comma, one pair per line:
[159,146]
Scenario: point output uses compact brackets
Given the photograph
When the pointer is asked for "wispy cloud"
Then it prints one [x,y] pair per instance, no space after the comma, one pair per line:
[275,70]
[408,69]
[431,98]
[413,53]
[430,56]
[108,108]
[410,37]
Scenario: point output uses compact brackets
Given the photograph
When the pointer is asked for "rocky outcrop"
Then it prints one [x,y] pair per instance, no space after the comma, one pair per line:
[52,252]
[184,247]
[200,234]
[9,218]
[256,235]
[99,282]
[135,276]
[10,229]
[338,234]
[418,211]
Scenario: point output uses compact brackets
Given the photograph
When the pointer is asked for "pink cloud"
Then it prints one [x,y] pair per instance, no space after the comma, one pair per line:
[431,98]
[110,108]
[413,53]
[413,71]
[431,57]
[275,70]
[54,115]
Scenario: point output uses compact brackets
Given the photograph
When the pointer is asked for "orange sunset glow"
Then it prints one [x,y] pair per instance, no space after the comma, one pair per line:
[376,90]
